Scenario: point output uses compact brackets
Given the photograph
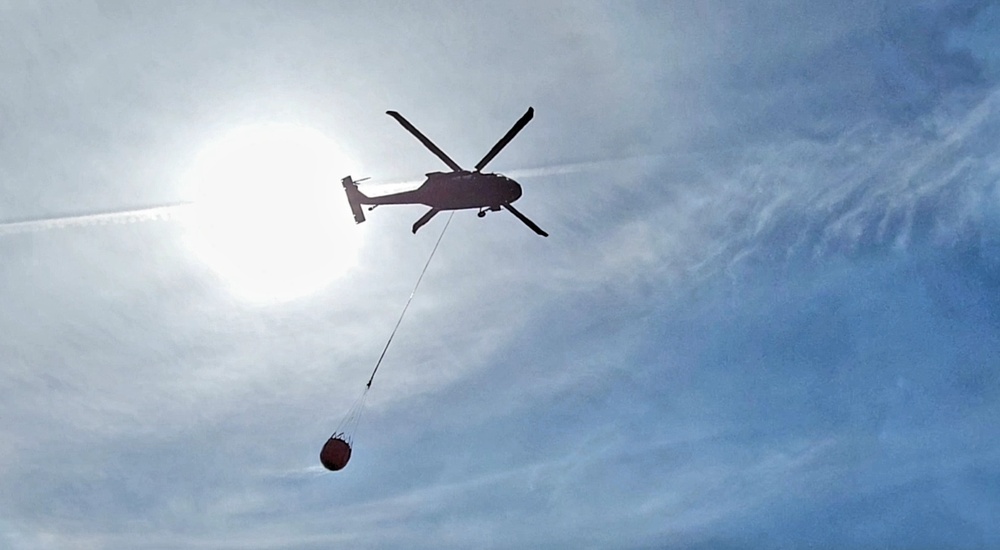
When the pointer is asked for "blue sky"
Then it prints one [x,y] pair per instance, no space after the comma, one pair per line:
[767,316]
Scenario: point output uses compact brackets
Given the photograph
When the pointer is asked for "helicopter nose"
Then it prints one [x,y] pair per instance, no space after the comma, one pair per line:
[513,191]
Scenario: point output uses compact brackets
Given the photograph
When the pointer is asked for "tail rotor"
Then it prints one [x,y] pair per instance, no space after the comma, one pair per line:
[354,197]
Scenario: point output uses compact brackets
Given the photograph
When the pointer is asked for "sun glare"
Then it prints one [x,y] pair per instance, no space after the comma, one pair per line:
[270,216]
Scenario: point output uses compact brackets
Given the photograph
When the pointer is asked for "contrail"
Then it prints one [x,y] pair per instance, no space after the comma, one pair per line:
[175,210]
[540,171]
[164,212]
[577,167]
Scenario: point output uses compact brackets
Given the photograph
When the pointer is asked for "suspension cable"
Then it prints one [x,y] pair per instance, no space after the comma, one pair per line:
[408,300]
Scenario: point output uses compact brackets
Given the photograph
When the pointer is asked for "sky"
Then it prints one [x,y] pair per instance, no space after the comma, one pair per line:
[767,314]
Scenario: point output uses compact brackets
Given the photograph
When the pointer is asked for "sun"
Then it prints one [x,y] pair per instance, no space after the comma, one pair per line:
[269,214]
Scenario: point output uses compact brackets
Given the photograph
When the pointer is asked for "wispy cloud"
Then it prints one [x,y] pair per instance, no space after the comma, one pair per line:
[766,315]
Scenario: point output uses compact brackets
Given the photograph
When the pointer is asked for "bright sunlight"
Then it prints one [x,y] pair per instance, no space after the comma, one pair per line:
[270,215]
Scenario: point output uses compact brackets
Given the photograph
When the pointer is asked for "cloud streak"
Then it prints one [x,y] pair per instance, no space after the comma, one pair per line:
[153,213]
[767,319]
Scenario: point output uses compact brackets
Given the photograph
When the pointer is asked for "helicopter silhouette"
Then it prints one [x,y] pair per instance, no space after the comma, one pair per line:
[456,190]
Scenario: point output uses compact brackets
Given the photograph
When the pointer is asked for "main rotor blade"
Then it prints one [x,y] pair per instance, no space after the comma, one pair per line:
[423,139]
[506,139]
[424,219]
[525,219]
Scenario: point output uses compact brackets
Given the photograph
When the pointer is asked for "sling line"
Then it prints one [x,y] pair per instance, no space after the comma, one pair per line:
[408,300]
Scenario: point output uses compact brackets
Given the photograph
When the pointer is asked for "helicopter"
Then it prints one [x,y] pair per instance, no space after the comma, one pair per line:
[456,190]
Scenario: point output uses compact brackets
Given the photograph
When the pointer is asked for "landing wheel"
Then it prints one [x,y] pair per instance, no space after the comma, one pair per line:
[481,214]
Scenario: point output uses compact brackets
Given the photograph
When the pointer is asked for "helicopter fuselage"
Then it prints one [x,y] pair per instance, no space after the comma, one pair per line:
[456,191]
